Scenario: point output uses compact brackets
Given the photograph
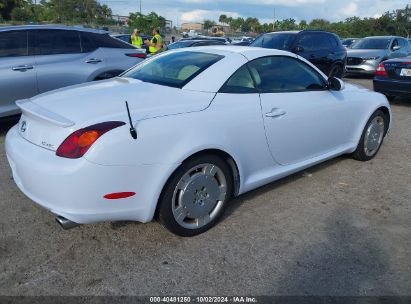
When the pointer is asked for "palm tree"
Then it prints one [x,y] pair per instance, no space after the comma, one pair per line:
[208,24]
[223,19]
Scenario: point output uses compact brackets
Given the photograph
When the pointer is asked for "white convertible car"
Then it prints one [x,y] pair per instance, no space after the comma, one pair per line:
[178,135]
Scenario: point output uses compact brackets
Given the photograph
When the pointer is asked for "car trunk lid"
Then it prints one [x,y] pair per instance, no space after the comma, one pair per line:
[49,118]
[400,70]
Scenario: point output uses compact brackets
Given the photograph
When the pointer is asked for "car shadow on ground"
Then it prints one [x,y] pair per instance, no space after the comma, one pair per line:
[355,76]
[237,202]
[402,102]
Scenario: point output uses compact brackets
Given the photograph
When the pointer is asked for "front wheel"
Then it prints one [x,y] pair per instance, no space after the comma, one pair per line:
[195,196]
[371,138]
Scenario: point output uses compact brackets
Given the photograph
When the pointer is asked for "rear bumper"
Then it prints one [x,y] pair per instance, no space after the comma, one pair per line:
[75,188]
[392,87]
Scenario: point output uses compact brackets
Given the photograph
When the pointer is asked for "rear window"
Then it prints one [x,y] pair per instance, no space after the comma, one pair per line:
[173,69]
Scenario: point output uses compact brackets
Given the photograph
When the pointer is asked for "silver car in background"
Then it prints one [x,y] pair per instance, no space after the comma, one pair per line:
[366,54]
[35,59]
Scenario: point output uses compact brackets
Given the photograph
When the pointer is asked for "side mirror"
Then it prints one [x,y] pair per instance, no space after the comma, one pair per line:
[336,84]
[396,48]
[298,49]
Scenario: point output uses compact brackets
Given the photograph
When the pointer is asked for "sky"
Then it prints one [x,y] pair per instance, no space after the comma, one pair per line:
[180,11]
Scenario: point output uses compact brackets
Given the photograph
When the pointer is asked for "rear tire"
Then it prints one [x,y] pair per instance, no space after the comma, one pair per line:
[372,137]
[196,195]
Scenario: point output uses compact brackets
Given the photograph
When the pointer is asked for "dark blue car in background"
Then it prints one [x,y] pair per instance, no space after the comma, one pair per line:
[393,78]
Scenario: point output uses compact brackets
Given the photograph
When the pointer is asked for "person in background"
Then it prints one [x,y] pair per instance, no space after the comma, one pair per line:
[155,45]
[173,39]
[136,39]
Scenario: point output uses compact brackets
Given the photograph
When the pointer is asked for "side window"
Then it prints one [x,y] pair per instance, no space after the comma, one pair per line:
[104,40]
[322,41]
[13,43]
[333,42]
[279,74]
[87,43]
[240,82]
[394,43]
[306,41]
[403,43]
[51,42]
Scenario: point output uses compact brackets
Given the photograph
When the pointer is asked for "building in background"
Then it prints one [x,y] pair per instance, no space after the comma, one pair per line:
[121,20]
[191,26]
[169,25]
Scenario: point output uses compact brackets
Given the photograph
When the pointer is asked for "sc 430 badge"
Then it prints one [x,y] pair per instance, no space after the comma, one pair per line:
[47,145]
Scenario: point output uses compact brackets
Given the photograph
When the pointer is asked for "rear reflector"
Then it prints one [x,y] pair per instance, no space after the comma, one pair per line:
[137,55]
[119,195]
[381,70]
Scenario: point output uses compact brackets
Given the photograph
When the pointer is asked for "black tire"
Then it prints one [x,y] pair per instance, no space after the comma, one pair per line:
[360,153]
[167,202]
[337,70]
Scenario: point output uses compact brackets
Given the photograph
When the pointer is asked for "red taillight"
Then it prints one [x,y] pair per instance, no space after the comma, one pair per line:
[78,143]
[119,195]
[381,70]
[137,55]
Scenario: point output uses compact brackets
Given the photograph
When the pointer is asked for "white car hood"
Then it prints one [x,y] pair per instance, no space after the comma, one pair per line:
[104,100]
[354,87]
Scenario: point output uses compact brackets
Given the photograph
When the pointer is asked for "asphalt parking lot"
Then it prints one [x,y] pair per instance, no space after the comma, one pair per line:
[340,228]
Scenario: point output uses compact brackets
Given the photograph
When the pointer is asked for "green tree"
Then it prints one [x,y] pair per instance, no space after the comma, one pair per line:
[319,24]
[7,6]
[21,14]
[251,24]
[303,25]
[236,24]
[146,23]
[208,24]
[223,19]
[403,21]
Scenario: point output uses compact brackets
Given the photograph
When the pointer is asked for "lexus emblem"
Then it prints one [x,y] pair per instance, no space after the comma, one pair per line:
[23,126]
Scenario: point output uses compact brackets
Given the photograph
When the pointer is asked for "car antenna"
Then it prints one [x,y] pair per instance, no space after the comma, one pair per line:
[133,131]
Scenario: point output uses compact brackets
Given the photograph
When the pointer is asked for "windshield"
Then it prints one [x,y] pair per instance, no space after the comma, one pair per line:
[274,41]
[372,44]
[174,69]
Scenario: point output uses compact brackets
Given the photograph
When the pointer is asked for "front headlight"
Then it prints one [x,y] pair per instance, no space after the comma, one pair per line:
[371,58]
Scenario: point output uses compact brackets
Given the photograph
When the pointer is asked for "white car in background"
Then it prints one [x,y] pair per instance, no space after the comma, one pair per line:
[203,125]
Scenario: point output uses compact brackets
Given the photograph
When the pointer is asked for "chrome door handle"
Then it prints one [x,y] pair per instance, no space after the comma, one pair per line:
[22,68]
[93,60]
[275,112]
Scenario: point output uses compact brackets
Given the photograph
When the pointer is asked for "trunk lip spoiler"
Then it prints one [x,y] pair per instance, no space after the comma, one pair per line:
[30,108]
